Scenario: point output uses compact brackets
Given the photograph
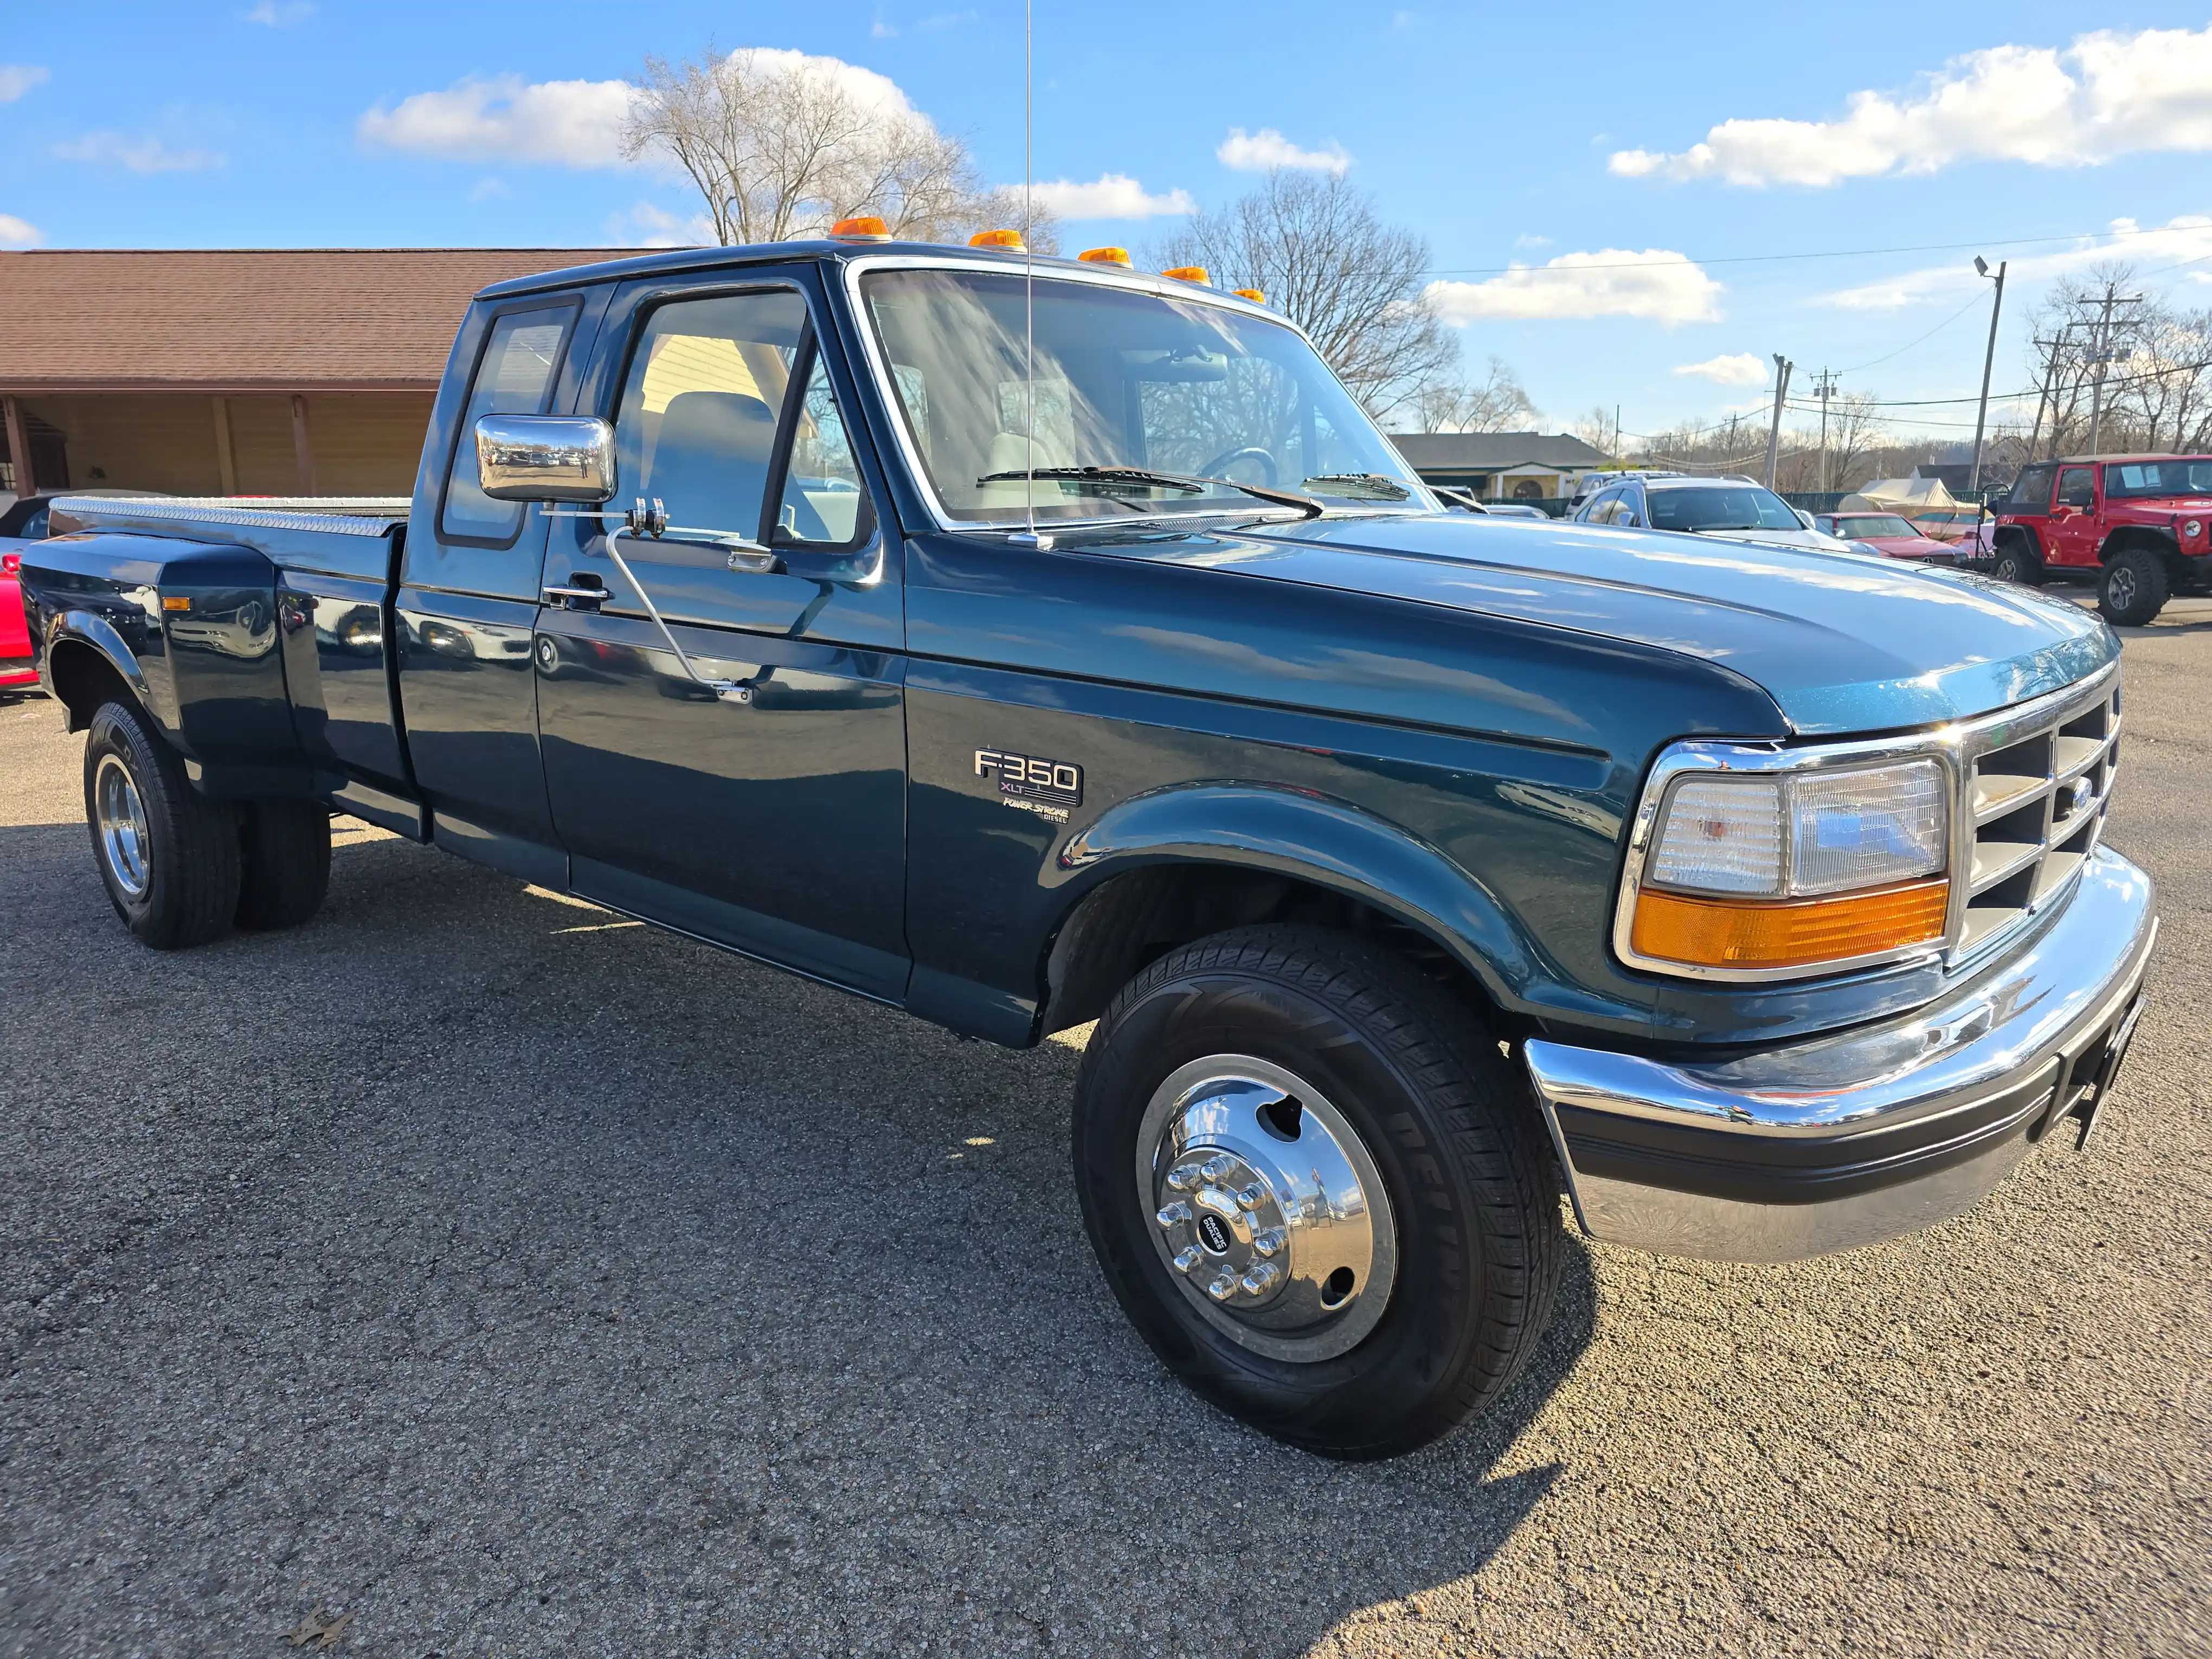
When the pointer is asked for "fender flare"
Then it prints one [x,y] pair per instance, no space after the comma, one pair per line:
[1310,838]
[86,630]
[2163,542]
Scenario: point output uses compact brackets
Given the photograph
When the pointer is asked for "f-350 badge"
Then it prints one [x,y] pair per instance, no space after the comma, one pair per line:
[1048,787]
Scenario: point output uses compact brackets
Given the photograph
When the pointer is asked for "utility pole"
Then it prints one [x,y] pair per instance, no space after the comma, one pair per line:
[1782,367]
[1616,432]
[2104,354]
[2050,385]
[1825,388]
[1989,361]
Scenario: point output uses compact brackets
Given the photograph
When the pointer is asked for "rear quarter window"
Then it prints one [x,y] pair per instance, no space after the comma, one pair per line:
[2030,491]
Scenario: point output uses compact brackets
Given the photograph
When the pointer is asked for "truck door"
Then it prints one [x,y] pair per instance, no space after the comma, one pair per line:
[775,825]
[468,591]
[2072,532]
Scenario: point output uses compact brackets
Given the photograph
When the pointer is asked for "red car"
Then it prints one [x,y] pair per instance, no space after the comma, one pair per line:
[2139,525]
[1893,534]
[23,521]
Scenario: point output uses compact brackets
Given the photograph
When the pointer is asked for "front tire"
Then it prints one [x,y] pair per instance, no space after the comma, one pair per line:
[1317,1188]
[2133,588]
[168,854]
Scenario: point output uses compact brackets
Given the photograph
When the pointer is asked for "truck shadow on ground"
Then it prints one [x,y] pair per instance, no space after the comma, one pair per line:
[584,1286]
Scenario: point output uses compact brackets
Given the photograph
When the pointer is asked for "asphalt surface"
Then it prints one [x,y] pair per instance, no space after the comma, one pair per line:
[518,1282]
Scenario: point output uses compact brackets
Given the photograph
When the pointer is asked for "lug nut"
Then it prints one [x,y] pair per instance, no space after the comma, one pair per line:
[1251,1197]
[1269,1243]
[1215,1168]
[1188,1259]
[1223,1287]
[1261,1279]
[1183,1177]
[1175,1213]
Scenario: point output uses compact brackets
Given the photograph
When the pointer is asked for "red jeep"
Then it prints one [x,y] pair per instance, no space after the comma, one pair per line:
[2139,525]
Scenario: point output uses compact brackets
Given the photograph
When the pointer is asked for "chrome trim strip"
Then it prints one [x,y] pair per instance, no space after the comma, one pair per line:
[1956,745]
[336,515]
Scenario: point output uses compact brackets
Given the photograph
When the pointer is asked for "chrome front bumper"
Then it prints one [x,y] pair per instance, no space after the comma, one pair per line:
[1868,1134]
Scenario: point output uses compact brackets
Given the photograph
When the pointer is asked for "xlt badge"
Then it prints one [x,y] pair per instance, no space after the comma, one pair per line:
[1054,786]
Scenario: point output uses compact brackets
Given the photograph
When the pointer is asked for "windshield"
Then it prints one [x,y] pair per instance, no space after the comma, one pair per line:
[1124,380]
[1720,506]
[1874,524]
[2183,478]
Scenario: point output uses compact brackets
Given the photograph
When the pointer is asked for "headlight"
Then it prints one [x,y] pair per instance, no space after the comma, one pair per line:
[2192,527]
[1759,874]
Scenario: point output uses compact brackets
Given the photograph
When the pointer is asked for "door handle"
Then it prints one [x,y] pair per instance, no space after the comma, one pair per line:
[576,598]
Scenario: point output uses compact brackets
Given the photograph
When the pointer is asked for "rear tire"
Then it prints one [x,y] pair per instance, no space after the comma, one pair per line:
[168,855]
[286,848]
[2016,563]
[1440,1316]
[2133,588]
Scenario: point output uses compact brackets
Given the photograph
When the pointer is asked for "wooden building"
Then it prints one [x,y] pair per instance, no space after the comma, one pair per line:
[273,372]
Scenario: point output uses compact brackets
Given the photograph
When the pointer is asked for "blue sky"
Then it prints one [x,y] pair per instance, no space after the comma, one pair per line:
[1510,136]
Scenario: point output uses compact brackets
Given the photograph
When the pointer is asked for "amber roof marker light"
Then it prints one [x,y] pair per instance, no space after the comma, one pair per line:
[865,227]
[1198,274]
[1104,256]
[1257,296]
[1011,240]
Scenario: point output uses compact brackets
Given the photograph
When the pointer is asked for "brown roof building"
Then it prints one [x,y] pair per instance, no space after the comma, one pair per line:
[233,372]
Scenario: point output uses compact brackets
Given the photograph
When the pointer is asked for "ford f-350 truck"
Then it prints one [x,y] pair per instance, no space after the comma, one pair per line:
[1414,867]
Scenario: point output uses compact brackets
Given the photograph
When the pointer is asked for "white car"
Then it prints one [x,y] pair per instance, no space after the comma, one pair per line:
[1733,509]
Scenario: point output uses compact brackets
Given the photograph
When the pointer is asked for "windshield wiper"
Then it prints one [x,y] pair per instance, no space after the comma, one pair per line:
[1374,485]
[1146,477]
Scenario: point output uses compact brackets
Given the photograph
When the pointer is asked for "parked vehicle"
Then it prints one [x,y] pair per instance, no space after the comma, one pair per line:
[1892,537]
[1590,483]
[1413,864]
[1733,509]
[2140,527]
[23,521]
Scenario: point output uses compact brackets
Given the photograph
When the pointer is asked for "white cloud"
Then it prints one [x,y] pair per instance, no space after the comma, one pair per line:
[1737,368]
[1262,151]
[18,233]
[1110,196]
[16,79]
[574,124]
[2184,238]
[2107,94]
[649,225]
[278,14]
[146,154]
[1664,286]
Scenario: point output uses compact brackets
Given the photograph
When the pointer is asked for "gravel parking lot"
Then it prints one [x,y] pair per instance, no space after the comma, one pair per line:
[497,1277]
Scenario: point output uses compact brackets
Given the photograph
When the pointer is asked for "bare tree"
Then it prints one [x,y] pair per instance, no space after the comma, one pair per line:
[781,146]
[1314,245]
[1595,429]
[1496,403]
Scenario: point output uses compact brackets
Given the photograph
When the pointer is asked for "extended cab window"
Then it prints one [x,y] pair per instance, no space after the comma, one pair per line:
[514,376]
[2077,487]
[709,383]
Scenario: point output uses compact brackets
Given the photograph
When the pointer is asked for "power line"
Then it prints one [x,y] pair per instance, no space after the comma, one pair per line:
[1836,253]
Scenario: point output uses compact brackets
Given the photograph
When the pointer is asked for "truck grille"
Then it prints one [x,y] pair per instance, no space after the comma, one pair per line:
[2038,781]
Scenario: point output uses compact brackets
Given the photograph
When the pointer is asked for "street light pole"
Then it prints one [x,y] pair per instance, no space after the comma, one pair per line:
[1782,367]
[1988,361]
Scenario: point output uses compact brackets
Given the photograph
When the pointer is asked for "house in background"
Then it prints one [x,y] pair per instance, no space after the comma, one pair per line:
[1519,466]
[273,372]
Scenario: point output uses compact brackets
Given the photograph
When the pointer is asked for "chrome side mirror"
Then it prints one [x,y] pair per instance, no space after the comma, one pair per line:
[545,458]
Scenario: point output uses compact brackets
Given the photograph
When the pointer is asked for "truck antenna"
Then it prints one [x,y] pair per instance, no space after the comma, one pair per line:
[1029,536]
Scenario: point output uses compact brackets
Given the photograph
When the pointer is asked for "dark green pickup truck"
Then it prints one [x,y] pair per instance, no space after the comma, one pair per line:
[1417,867]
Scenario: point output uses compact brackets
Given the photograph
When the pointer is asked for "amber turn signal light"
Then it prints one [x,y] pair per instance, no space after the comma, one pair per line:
[1189,274]
[1104,256]
[1709,933]
[175,602]
[1009,239]
[865,228]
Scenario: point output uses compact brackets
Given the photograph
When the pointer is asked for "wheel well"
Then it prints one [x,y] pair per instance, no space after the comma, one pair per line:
[1132,920]
[2007,534]
[2133,536]
[83,679]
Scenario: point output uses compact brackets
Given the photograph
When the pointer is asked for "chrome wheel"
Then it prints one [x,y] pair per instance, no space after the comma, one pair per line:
[124,843]
[1266,1207]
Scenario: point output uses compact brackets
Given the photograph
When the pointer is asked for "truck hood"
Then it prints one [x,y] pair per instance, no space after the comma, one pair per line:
[1841,642]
